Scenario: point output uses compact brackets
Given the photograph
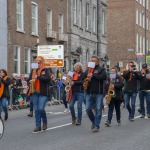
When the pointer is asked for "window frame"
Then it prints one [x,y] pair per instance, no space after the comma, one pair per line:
[18,59]
[27,61]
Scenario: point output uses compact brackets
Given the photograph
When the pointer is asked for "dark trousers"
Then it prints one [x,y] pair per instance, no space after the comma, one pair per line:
[114,103]
[64,99]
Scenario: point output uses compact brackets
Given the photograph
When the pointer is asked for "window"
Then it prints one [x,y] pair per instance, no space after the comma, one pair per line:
[49,20]
[27,61]
[19,13]
[147,24]
[137,15]
[140,44]
[140,19]
[143,21]
[143,45]
[147,45]
[34,18]
[80,13]
[140,1]
[147,3]
[61,23]
[75,11]
[87,55]
[17,59]
[103,22]
[94,19]
[143,3]
[87,15]
[137,43]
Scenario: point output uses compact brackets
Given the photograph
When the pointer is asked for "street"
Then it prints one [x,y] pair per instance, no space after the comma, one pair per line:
[61,134]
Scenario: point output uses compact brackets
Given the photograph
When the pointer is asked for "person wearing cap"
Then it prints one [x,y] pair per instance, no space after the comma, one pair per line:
[131,77]
[144,92]
[40,79]
[117,97]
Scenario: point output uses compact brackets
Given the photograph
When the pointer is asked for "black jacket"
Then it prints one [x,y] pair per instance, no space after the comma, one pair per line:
[96,83]
[44,81]
[78,84]
[118,85]
[131,85]
[6,87]
[144,82]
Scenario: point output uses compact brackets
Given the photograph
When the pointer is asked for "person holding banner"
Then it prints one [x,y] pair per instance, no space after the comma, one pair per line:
[4,92]
[96,75]
[77,93]
[39,89]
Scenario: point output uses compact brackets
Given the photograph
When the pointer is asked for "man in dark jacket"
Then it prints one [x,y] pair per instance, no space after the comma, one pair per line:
[131,77]
[95,93]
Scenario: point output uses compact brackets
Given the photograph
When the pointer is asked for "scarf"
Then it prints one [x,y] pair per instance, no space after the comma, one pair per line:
[2,86]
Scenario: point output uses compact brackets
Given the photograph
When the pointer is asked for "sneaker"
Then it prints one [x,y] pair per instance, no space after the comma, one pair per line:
[44,126]
[119,123]
[148,115]
[37,129]
[107,123]
[92,126]
[95,130]
[78,123]
[66,110]
[142,116]
[6,116]
[139,110]
[131,119]
[74,120]
[30,114]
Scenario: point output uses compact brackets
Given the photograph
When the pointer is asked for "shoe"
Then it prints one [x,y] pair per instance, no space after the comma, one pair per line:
[95,130]
[37,129]
[78,123]
[44,126]
[119,123]
[131,119]
[66,110]
[73,119]
[142,116]
[139,110]
[30,114]
[92,126]
[107,123]
[148,115]
[6,116]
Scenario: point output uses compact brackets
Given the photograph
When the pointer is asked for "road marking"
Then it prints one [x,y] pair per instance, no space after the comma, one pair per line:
[56,113]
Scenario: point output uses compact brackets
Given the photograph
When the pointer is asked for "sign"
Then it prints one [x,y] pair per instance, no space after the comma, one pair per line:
[53,55]
[120,64]
[91,64]
[139,56]
[34,65]
[148,60]
[130,50]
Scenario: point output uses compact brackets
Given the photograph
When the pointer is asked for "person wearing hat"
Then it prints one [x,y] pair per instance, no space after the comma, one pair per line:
[144,92]
[115,83]
[39,90]
[131,77]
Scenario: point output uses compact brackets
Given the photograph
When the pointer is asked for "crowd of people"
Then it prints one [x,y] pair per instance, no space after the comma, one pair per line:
[90,87]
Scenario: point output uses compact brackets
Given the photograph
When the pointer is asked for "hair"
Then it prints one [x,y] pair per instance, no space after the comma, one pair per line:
[78,64]
[115,69]
[131,62]
[5,72]
[94,56]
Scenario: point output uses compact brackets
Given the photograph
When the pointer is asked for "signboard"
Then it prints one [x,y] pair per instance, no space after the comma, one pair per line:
[53,55]
[139,56]
[148,60]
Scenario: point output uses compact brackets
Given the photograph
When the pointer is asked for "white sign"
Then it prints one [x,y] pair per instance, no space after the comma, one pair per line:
[34,65]
[91,64]
[64,78]
[120,64]
[70,73]
[130,50]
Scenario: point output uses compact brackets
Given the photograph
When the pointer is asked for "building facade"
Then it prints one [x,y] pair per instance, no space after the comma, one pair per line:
[128,31]
[3,34]
[32,23]
[86,31]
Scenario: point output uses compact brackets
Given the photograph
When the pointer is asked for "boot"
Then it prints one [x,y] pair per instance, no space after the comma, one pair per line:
[6,116]
[37,129]
[73,119]
[44,126]
[30,114]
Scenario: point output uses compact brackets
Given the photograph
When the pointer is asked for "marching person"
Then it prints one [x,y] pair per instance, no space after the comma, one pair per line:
[4,92]
[95,93]
[39,88]
[131,77]
[144,91]
[115,85]
[77,94]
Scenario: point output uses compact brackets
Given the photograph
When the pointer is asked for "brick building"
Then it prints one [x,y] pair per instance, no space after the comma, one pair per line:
[86,31]
[32,23]
[128,25]
[3,34]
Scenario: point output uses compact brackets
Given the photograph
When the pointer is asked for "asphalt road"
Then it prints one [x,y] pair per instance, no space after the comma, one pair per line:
[62,135]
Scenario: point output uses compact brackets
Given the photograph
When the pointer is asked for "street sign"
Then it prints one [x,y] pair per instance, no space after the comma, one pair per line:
[53,54]
[148,60]
[139,56]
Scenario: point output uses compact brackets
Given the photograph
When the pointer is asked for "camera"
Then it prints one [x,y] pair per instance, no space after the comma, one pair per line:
[134,67]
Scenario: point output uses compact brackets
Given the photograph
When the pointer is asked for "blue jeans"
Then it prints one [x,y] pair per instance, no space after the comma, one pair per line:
[39,102]
[76,96]
[3,104]
[131,108]
[97,101]
[145,94]
[84,100]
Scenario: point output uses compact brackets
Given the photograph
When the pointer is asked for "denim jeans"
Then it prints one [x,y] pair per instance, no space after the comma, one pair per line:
[76,96]
[39,102]
[95,100]
[31,104]
[145,94]
[84,100]
[114,103]
[131,108]
[3,104]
